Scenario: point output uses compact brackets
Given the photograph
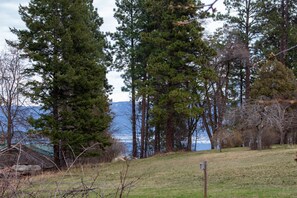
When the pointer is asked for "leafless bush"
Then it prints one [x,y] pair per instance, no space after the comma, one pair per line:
[125,184]
[15,185]
[227,138]
[280,118]
[11,181]
[259,123]
[116,149]
[97,155]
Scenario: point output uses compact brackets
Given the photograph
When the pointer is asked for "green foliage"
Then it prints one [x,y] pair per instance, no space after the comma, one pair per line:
[278,25]
[275,81]
[178,62]
[245,23]
[68,73]
[128,49]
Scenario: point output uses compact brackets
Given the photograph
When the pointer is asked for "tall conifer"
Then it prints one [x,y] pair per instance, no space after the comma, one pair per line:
[68,73]
[177,66]
[126,49]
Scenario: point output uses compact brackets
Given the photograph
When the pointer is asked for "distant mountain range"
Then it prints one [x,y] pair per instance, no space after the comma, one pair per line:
[120,128]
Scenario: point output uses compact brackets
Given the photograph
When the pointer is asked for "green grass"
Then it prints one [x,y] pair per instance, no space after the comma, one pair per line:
[237,172]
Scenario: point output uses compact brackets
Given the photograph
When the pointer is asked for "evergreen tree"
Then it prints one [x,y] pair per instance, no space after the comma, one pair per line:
[275,81]
[68,73]
[278,26]
[129,14]
[245,25]
[176,66]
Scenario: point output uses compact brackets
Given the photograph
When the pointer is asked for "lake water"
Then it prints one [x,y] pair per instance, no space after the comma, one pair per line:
[199,147]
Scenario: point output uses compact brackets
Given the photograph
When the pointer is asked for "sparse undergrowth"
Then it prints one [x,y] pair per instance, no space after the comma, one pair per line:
[237,172]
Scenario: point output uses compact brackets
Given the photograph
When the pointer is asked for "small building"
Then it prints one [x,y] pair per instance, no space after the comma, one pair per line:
[20,154]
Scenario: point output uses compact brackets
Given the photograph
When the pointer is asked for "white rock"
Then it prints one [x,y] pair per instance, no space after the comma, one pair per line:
[26,169]
[119,159]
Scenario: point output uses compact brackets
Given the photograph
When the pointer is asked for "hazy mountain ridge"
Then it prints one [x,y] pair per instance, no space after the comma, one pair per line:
[120,127]
[121,124]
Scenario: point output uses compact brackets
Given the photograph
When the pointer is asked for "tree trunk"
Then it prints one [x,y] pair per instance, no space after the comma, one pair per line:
[134,137]
[56,148]
[208,131]
[284,27]
[157,140]
[132,69]
[147,128]
[259,141]
[169,132]
[211,116]
[57,142]
[282,137]
[143,126]
[241,83]
[247,65]
[247,79]
[189,146]
[9,129]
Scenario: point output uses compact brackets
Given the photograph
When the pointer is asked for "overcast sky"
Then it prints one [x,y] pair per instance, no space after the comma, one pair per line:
[9,17]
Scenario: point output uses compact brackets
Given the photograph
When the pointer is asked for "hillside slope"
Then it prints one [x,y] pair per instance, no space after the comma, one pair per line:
[236,172]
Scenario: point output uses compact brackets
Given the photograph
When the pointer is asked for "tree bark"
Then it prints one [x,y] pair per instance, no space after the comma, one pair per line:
[189,146]
[169,132]
[208,131]
[57,154]
[55,128]
[247,65]
[134,137]
[143,126]
[9,128]
[284,27]
[157,140]
[147,127]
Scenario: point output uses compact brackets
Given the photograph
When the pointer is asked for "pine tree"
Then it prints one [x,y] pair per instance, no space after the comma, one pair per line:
[278,27]
[176,67]
[66,48]
[129,14]
[245,25]
[275,81]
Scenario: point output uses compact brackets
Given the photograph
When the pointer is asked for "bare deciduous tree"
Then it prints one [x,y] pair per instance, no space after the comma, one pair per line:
[252,120]
[278,117]
[11,99]
[264,121]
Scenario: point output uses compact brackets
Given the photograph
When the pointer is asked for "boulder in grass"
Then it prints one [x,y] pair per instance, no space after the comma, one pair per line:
[119,159]
[27,169]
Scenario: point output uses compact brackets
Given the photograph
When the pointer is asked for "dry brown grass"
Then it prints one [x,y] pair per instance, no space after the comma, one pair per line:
[237,172]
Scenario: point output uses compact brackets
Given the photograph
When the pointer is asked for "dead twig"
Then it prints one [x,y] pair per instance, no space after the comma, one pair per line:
[124,184]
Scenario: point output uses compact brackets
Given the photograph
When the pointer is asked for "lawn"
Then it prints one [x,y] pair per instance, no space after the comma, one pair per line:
[237,172]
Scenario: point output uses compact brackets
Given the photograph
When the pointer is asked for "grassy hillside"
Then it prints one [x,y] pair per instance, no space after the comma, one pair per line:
[237,172]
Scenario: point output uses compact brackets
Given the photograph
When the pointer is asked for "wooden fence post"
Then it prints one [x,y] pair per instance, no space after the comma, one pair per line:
[203,166]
